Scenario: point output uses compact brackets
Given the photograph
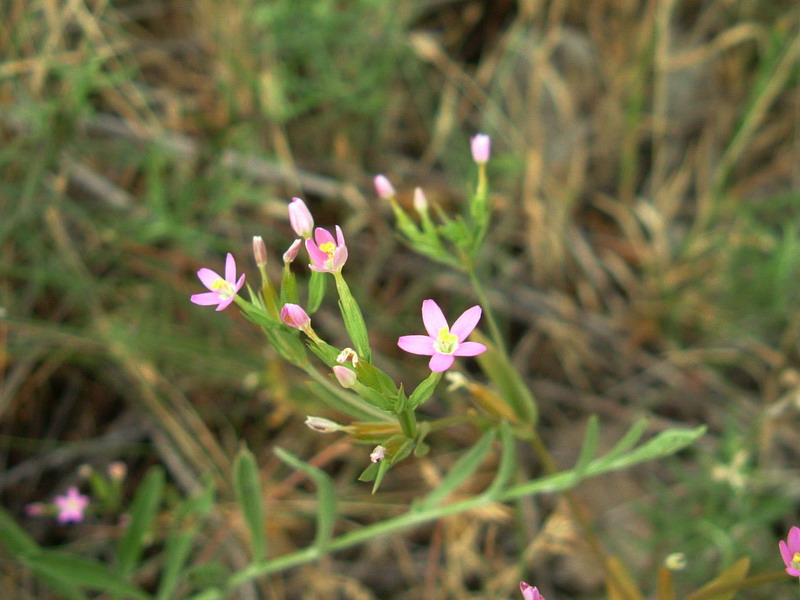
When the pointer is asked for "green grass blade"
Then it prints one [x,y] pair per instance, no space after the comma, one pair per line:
[143,511]
[13,537]
[326,499]
[247,482]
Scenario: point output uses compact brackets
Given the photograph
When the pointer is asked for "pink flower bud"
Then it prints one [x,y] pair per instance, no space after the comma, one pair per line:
[420,201]
[481,148]
[117,470]
[294,316]
[379,453]
[346,377]
[291,253]
[300,218]
[35,509]
[260,251]
[384,187]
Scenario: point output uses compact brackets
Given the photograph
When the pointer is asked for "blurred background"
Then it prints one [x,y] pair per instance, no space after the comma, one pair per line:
[643,261]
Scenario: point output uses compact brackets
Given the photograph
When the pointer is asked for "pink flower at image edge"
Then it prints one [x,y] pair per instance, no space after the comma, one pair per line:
[529,592]
[71,506]
[443,343]
[790,552]
[223,290]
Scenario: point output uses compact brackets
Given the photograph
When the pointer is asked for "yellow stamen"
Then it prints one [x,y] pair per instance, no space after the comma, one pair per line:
[328,248]
[796,560]
[446,342]
[224,288]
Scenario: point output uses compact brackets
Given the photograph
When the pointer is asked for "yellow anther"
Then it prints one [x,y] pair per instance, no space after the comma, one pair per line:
[446,342]
[328,248]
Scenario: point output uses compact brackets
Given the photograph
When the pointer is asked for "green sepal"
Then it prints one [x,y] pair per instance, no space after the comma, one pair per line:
[424,390]
[373,377]
[353,319]
[373,397]
[317,285]
[289,293]
[324,351]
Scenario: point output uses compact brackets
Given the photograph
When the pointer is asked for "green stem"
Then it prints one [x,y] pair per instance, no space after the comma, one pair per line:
[408,422]
[483,299]
[348,398]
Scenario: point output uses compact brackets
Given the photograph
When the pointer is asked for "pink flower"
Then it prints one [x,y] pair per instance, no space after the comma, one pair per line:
[260,251]
[529,592]
[384,187]
[294,316]
[327,255]
[300,218]
[223,291]
[378,454]
[790,551]
[71,506]
[443,343]
[292,252]
[481,148]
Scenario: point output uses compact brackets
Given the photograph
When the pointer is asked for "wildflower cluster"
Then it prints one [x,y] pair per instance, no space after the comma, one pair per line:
[385,413]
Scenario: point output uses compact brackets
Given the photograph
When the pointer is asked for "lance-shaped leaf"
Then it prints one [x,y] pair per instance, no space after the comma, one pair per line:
[326,499]
[143,511]
[247,482]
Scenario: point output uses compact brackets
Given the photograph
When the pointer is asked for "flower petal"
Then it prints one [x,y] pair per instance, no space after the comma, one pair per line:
[339,236]
[323,236]
[794,539]
[441,362]
[339,257]
[318,257]
[466,322]
[433,317]
[230,268]
[207,277]
[226,303]
[416,344]
[785,553]
[239,284]
[469,349]
[206,298]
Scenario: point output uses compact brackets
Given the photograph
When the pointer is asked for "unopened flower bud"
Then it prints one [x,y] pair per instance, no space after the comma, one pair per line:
[291,253]
[481,148]
[347,355]
[294,316]
[117,470]
[384,187]
[35,509]
[300,218]
[379,453]
[260,251]
[322,425]
[420,201]
[675,561]
[346,377]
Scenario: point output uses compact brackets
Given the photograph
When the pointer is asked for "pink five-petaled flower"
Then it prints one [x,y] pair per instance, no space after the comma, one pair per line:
[443,343]
[481,148]
[71,506]
[529,592]
[327,255]
[790,551]
[223,291]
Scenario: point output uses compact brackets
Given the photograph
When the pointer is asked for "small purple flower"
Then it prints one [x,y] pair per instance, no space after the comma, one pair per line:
[300,218]
[481,148]
[790,551]
[529,592]
[384,187]
[294,316]
[223,291]
[71,506]
[443,343]
[327,255]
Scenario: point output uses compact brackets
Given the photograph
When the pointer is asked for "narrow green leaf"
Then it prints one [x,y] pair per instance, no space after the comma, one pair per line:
[247,483]
[143,511]
[326,498]
[66,589]
[82,572]
[727,580]
[664,444]
[13,537]
[424,390]
[316,291]
[460,471]
[288,293]
[629,440]
[591,440]
[508,461]
[179,543]
[507,381]
[353,319]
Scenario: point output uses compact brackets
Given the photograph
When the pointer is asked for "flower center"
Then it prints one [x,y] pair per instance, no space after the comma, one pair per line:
[446,342]
[328,248]
[796,560]
[223,288]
